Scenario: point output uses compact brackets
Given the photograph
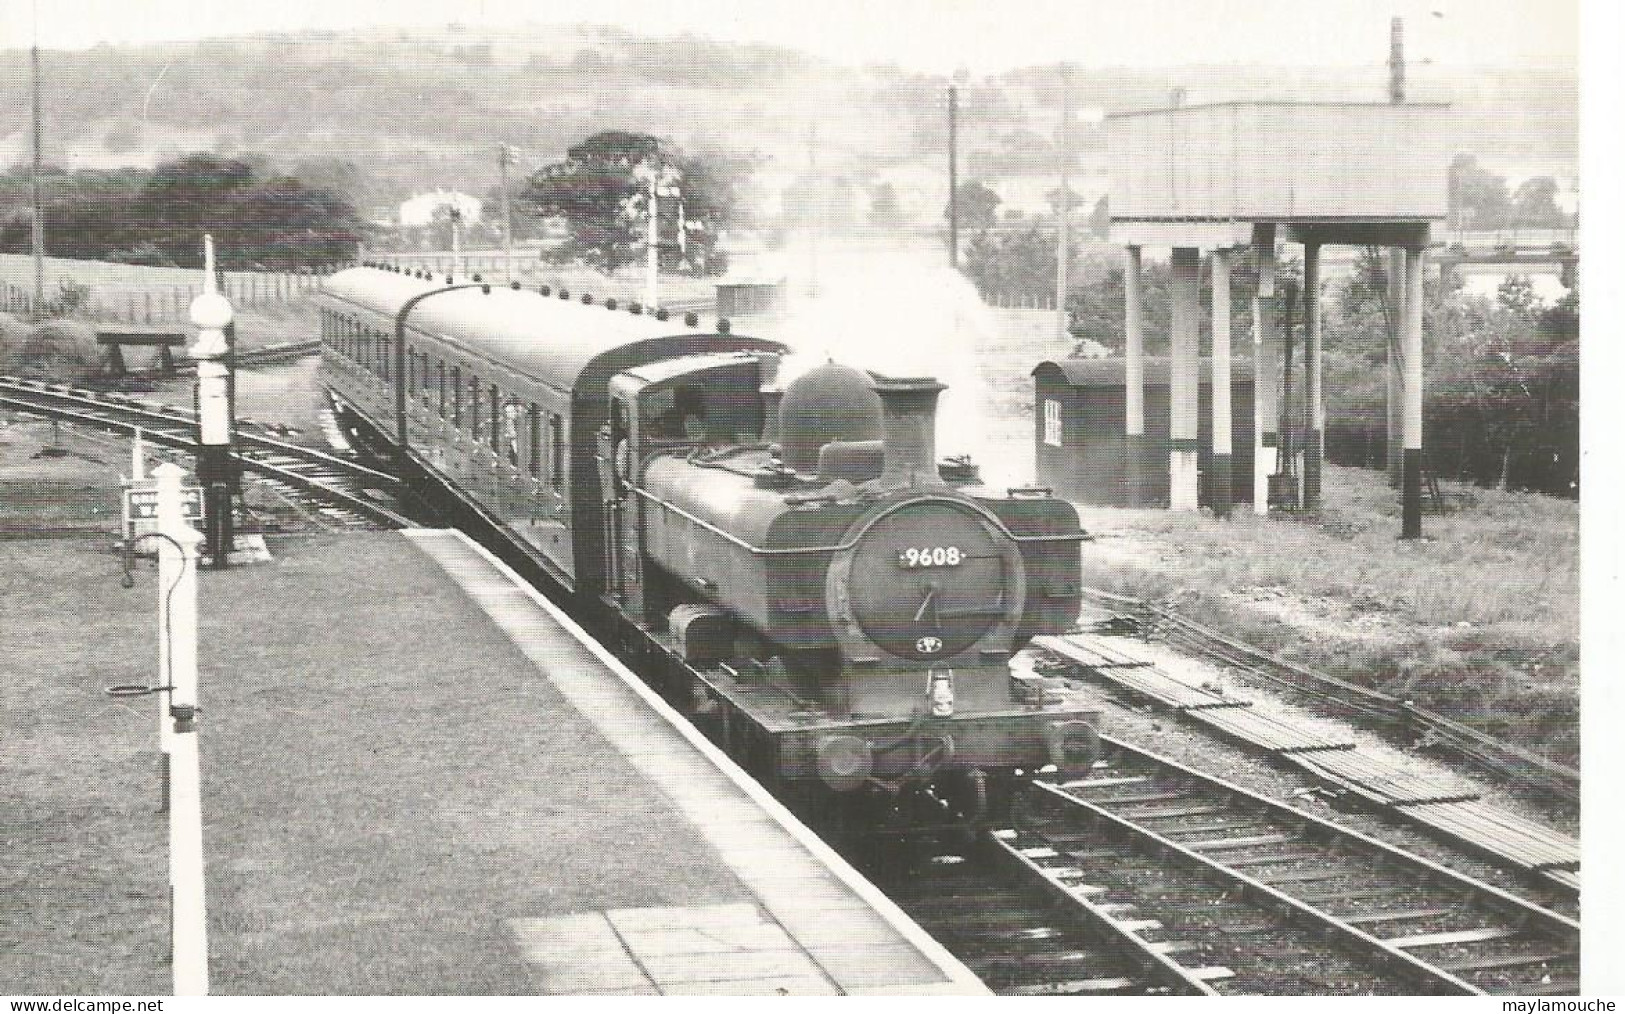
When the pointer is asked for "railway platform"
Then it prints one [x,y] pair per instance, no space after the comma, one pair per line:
[418,780]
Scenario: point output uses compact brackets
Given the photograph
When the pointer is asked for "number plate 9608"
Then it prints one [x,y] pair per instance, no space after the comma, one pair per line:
[930,556]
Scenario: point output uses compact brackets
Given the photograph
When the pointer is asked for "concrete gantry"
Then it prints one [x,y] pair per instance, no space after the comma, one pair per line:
[1240,178]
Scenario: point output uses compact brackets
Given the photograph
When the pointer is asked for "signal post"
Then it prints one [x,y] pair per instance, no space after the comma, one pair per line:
[211,313]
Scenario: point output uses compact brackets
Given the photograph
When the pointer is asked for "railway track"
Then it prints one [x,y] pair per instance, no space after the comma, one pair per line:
[1441,931]
[1151,878]
[285,352]
[334,491]
[1051,909]
[1001,921]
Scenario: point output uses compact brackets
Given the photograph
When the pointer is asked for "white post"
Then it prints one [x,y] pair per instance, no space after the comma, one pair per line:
[167,515]
[1219,489]
[178,571]
[1063,212]
[1133,374]
[138,459]
[1264,369]
[1184,377]
[457,241]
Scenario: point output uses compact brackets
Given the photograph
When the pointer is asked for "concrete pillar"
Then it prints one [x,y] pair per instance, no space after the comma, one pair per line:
[1265,342]
[1396,325]
[1133,375]
[1315,442]
[1219,481]
[1411,498]
[1184,374]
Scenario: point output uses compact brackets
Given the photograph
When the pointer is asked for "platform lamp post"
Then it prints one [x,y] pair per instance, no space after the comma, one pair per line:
[211,315]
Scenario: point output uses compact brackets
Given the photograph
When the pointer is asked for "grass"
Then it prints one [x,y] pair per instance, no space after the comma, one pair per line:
[159,297]
[1479,621]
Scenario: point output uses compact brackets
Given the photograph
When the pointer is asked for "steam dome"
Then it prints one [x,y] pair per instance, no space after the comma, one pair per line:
[829,402]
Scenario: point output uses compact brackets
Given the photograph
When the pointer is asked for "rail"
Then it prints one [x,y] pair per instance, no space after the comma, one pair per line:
[1424,921]
[319,474]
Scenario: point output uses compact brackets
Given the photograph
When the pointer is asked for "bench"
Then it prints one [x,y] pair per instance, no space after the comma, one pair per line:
[117,339]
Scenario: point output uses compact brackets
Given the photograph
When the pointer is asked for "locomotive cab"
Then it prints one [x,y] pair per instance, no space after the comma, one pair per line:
[677,407]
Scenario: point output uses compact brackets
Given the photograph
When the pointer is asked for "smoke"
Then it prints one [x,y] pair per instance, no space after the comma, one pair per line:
[906,314]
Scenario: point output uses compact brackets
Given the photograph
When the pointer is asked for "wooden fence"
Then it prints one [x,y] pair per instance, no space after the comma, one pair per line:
[157,302]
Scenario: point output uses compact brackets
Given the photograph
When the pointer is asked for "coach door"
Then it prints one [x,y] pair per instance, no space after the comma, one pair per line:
[614,464]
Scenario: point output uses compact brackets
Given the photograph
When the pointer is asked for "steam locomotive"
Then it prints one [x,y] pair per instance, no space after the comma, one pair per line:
[835,606]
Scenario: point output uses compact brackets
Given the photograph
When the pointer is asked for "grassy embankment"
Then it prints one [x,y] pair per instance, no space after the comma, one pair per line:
[1479,621]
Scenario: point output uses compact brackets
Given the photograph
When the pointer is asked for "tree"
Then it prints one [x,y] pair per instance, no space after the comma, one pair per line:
[271,222]
[978,206]
[1100,219]
[1478,198]
[188,197]
[1534,205]
[601,190]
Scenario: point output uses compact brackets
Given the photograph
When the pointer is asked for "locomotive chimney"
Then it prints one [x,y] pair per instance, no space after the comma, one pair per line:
[909,423]
[772,391]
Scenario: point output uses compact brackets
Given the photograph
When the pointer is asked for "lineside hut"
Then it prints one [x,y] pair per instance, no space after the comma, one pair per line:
[743,297]
[1081,440]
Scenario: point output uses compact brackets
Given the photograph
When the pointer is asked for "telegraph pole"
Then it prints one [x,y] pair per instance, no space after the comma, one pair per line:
[39,204]
[818,206]
[1063,212]
[504,157]
[953,176]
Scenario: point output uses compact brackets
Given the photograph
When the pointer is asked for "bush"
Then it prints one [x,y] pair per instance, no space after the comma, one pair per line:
[60,350]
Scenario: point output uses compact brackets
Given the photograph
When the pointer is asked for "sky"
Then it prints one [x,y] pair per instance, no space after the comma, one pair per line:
[982,36]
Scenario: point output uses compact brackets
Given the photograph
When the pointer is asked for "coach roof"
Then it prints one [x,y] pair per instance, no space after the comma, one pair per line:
[552,339]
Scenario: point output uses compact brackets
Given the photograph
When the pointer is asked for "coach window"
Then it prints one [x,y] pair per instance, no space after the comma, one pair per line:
[535,441]
[555,449]
[411,369]
[511,411]
[496,418]
[456,387]
[476,421]
[440,370]
[383,357]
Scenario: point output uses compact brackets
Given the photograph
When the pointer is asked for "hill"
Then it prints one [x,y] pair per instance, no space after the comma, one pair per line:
[413,108]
